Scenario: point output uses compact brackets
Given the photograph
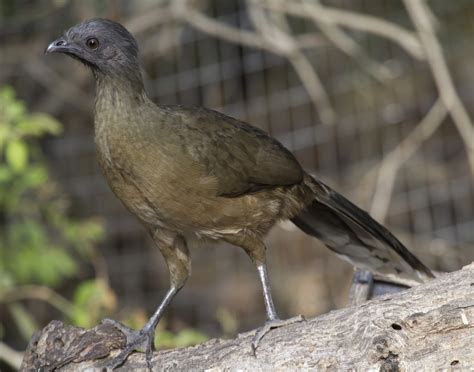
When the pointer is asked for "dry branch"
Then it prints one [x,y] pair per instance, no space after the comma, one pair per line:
[285,44]
[388,168]
[210,26]
[39,292]
[422,18]
[10,356]
[349,46]
[348,19]
[427,327]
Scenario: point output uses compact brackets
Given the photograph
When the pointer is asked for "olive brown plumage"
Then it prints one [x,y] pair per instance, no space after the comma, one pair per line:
[192,171]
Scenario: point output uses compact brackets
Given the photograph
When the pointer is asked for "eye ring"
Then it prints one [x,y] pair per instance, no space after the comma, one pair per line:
[92,43]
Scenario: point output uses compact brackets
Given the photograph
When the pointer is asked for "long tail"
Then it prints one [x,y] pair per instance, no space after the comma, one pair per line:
[354,235]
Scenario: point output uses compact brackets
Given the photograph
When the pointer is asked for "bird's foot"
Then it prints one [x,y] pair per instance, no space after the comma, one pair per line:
[269,325]
[142,340]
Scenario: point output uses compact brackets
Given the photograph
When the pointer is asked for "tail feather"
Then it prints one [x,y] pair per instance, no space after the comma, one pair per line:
[353,234]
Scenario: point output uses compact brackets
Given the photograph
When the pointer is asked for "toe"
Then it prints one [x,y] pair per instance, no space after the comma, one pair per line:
[261,332]
[268,326]
[142,341]
[122,357]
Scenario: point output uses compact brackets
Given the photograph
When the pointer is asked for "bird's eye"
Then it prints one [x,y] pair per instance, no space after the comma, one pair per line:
[92,43]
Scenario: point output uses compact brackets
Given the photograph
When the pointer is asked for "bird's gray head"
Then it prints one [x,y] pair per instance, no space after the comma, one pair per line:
[105,46]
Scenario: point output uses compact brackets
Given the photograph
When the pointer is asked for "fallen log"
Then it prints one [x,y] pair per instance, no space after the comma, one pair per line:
[430,326]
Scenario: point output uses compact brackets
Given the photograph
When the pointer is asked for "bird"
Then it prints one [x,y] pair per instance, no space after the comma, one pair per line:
[188,172]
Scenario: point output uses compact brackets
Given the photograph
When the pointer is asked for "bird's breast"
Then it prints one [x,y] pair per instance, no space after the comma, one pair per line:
[151,180]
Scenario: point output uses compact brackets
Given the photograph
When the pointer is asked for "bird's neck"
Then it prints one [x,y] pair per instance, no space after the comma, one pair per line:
[118,102]
[118,105]
[116,90]
[117,97]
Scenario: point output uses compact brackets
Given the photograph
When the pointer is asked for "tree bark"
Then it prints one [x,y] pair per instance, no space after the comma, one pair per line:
[429,327]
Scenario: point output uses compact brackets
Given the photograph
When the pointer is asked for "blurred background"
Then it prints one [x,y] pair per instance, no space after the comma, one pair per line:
[372,96]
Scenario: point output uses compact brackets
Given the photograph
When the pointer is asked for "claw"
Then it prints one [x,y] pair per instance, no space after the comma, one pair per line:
[136,340]
[268,326]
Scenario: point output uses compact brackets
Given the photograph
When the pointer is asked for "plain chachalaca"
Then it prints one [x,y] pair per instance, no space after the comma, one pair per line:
[189,171]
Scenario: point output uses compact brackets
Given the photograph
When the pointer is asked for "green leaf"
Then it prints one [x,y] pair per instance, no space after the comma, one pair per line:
[39,124]
[33,258]
[14,110]
[56,264]
[17,155]
[4,132]
[189,337]
[92,299]
[165,339]
[184,338]
[35,177]
[7,94]
[5,173]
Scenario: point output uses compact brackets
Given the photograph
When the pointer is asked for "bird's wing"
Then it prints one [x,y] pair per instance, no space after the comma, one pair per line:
[241,158]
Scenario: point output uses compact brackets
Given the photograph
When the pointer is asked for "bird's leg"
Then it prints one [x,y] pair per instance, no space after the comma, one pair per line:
[272,318]
[256,250]
[174,250]
[267,294]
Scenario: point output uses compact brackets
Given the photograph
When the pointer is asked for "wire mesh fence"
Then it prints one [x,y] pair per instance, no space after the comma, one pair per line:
[361,108]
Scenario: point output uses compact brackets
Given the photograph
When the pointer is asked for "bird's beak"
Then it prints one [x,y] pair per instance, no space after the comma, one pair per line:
[58,46]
